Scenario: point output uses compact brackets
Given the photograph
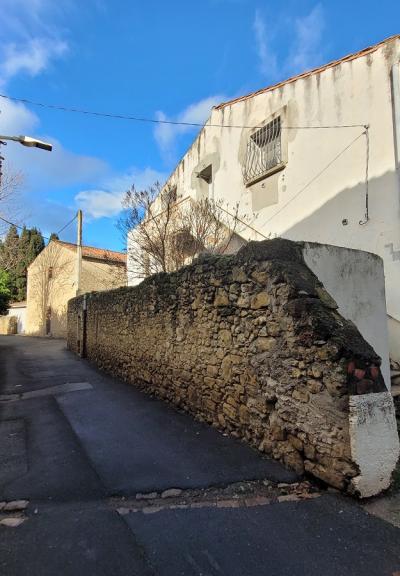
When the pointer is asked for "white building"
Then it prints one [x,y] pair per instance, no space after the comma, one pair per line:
[313,158]
[18,309]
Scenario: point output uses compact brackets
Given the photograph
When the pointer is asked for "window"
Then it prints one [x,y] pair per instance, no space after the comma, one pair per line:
[206,174]
[50,273]
[264,151]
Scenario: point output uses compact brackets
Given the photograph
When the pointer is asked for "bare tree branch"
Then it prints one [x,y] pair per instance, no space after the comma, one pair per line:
[11,184]
[165,234]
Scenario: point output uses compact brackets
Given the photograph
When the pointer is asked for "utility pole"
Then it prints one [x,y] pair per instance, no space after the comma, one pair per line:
[79,252]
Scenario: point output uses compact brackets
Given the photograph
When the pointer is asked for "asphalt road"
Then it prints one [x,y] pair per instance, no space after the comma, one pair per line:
[73,440]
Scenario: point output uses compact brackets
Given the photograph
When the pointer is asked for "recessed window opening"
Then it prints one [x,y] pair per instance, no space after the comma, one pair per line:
[206,174]
[264,151]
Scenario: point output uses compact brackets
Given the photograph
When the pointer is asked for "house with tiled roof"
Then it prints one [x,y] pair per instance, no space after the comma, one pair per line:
[58,274]
[313,158]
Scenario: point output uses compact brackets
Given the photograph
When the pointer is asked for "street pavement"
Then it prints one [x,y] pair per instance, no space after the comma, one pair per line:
[81,447]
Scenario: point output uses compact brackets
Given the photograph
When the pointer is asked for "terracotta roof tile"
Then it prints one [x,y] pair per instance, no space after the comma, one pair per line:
[347,58]
[97,253]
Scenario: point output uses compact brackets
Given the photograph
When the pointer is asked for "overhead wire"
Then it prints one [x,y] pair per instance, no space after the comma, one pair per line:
[314,178]
[67,224]
[20,227]
[200,125]
[116,116]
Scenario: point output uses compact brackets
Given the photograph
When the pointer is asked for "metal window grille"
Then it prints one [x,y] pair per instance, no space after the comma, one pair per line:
[263,150]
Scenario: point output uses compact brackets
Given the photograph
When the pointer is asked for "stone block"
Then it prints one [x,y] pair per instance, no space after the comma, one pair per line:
[260,300]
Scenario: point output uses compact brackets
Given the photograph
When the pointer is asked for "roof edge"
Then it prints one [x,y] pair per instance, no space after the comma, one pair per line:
[307,73]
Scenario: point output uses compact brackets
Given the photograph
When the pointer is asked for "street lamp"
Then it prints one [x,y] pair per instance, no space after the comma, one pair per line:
[28,141]
[25,141]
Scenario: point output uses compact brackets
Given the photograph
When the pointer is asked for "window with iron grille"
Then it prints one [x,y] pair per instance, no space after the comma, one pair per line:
[264,151]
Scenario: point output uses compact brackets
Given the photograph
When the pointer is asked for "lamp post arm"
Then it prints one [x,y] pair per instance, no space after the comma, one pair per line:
[29,141]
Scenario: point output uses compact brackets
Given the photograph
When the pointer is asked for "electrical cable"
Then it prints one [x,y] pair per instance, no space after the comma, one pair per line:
[159,121]
[366,216]
[314,178]
[22,227]
[67,224]
[18,226]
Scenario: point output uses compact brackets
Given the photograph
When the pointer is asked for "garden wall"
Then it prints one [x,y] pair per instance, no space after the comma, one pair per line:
[8,325]
[254,345]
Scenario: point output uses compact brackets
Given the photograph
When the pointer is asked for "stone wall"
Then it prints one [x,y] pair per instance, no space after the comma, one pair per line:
[254,345]
[8,324]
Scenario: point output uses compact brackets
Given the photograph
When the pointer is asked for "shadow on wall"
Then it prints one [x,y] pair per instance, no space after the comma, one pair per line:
[54,324]
[337,222]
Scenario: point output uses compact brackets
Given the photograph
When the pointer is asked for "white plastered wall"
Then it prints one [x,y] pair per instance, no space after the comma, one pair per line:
[320,194]
[374,441]
[356,281]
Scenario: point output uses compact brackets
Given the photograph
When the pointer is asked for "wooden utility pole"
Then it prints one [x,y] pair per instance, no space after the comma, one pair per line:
[79,252]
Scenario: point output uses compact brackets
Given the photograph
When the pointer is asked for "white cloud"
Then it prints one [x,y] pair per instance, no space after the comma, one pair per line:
[107,200]
[197,113]
[61,167]
[267,58]
[15,118]
[30,39]
[30,42]
[99,203]
[31,57]
[306,49]
[304,44]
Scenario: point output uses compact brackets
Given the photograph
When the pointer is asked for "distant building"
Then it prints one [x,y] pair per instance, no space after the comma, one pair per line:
[18,309]
[316,157]
[53,280]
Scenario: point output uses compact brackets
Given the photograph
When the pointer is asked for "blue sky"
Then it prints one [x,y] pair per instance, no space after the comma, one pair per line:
[170,60]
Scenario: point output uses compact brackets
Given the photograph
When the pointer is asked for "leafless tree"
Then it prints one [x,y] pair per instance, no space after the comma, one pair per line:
[164,232]
[11,183]
[48,278]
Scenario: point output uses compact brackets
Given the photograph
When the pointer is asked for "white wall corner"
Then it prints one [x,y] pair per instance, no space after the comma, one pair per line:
[374,441]
[395,81]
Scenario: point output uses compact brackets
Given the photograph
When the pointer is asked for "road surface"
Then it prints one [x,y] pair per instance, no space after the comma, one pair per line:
[86,451]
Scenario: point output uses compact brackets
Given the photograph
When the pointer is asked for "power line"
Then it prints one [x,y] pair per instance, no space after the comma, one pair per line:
[315,178]
[67,224]
[22,227]
[159,121]
[47,238]
[17,226]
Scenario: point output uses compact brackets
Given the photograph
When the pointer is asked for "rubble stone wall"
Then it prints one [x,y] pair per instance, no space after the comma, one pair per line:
[250,343]
[8,325]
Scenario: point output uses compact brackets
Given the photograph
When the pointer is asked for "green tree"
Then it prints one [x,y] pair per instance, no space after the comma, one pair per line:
[31,243]
[17,252]
[9,255]
[5,292]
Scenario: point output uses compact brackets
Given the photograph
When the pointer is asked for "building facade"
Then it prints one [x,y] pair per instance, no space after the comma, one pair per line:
[314,158]
[18,309]
[57,275]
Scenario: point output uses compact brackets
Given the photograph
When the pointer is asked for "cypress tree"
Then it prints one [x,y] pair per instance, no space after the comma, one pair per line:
[16,254]
[9,257]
